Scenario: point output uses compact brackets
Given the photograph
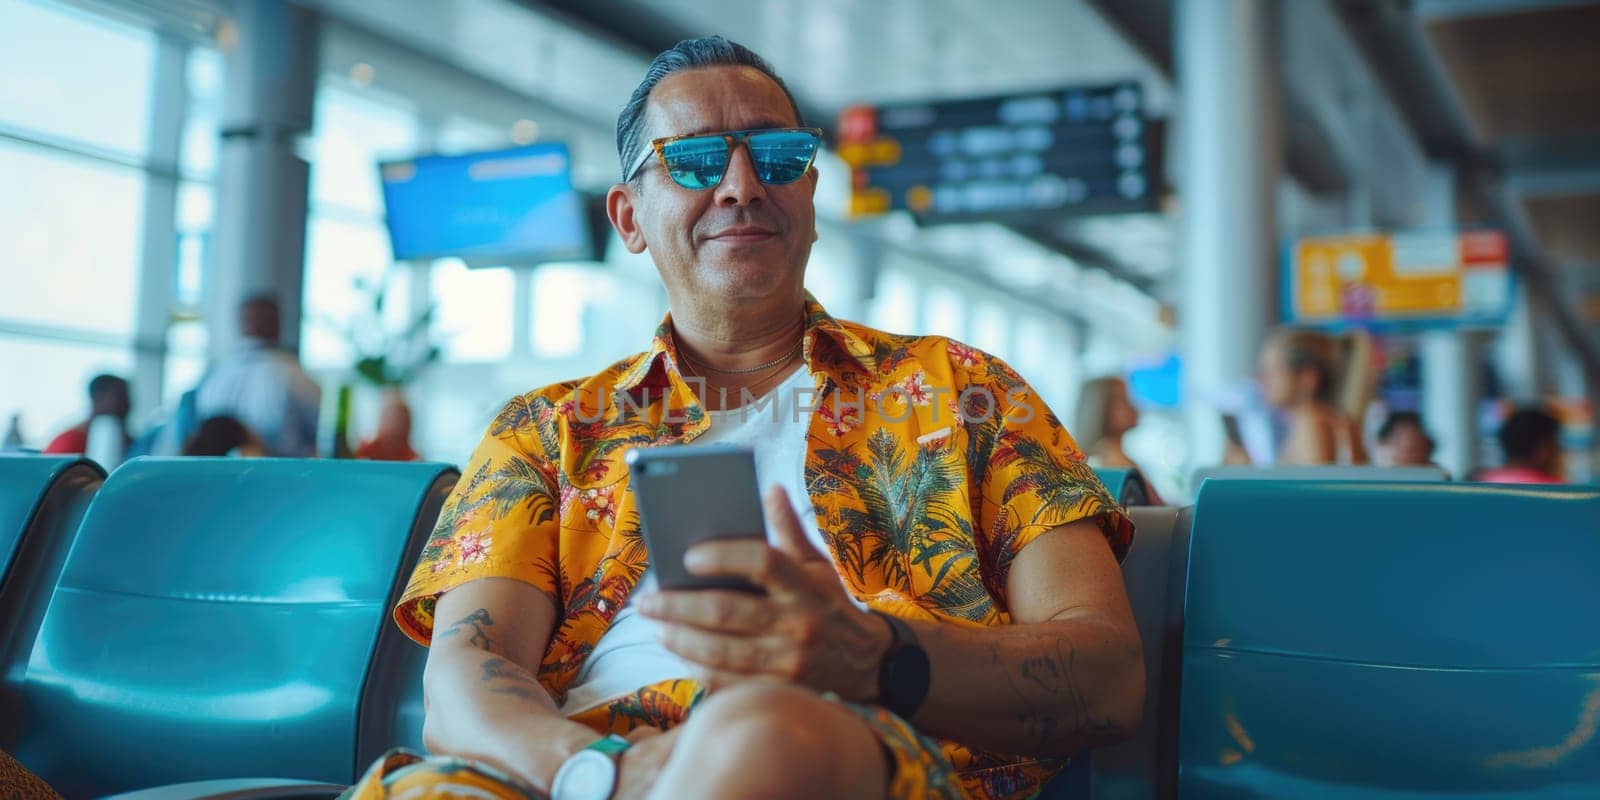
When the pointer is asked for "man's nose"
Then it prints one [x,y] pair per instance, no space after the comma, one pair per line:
[740,186]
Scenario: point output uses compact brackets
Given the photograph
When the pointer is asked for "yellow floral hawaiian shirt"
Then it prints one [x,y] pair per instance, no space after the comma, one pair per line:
[930,465]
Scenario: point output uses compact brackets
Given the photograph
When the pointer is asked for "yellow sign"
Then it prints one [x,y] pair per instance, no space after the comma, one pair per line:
[1387,277]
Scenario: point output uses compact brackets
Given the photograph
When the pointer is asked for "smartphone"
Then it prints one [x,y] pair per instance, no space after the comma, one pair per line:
[687,494]
[1230,428]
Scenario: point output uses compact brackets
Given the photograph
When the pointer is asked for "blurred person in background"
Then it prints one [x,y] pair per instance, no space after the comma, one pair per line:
[392,442]
[14,441]
[1105,413]
[108,397]
[224,436]
[1305,376]
[263,386]
[1404,442]
[1531,441]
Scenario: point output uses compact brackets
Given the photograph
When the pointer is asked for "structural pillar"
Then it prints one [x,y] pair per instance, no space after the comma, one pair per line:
[1452,359]
[270,50]
[159,248]
[1524,357]
[1230,151]
[1450,392]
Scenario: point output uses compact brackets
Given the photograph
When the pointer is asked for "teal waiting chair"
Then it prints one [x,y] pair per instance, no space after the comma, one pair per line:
[229,618]
[1329,472]
[1126,485]
[42,500]
[1154,570]
[1359,641]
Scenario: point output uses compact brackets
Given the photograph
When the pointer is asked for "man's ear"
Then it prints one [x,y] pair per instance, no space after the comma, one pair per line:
[811,175]
[621,202]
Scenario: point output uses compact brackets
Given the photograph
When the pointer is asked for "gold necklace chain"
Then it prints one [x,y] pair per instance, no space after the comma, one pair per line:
[751,370]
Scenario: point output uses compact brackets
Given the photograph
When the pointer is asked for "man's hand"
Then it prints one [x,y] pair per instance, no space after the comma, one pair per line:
[641,764]
[805,630]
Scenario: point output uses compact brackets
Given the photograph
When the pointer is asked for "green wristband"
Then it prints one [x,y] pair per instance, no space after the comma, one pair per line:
[611,744]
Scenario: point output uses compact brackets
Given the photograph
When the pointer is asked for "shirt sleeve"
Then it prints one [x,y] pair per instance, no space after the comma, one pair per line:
[1034,477]
[500,521]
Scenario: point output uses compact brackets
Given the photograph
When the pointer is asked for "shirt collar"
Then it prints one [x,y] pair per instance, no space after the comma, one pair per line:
[659,365]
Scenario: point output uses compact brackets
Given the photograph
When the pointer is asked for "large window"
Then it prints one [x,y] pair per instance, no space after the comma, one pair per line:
[74,139]
[88,79]
[346,242]
[70,241]
[474,311]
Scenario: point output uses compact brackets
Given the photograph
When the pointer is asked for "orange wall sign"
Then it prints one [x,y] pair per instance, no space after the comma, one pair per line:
[1424,276]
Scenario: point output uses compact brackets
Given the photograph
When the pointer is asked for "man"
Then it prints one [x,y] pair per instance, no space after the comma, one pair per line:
[951,576]
[108,397]
[263,386]
[1530,440]
[1404,442]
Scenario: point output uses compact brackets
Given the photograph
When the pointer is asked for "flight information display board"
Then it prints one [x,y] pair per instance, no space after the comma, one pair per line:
[1081,150]
[1413,278]
[501,208]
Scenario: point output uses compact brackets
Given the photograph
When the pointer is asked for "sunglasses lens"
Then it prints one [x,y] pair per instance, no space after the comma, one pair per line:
[697,162]
[782,156]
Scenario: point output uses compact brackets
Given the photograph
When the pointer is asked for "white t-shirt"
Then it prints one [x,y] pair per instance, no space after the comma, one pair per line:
[628,656]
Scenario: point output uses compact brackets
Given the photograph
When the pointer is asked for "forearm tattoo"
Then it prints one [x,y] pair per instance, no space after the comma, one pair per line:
[1057,708]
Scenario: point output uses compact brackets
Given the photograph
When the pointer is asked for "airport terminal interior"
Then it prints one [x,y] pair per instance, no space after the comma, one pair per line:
[1313,285]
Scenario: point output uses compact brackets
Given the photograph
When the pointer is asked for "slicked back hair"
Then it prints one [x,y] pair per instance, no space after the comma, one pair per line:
[708,51]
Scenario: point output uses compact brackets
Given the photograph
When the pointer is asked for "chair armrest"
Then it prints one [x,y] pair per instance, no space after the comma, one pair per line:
[237,789]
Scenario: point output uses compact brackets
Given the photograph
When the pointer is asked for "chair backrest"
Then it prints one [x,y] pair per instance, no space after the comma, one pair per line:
[1154,570]
[42,500]
[218,618]
[1360,640]
[1127,485]
[1319,473]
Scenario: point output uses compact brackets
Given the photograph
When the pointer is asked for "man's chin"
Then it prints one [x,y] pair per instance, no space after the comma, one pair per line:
[744,277]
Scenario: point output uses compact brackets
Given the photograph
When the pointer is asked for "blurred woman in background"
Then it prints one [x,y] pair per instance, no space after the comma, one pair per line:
[1105,413]
[1321,385]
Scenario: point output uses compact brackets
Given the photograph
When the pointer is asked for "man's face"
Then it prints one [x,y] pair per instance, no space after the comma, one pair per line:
[742,239]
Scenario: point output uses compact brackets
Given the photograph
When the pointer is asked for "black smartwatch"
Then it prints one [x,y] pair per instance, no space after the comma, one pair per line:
[903,677]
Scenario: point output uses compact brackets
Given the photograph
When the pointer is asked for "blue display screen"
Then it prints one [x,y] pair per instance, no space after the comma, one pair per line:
[505,207]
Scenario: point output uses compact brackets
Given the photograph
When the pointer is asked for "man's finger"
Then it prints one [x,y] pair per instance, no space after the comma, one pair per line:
[746,655]
[727,612]
[751,559]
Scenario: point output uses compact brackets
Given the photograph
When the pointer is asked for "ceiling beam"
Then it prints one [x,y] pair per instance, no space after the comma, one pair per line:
[1145,24]
[1545,181]
[1429,11]
[1394,46]
[1086,254]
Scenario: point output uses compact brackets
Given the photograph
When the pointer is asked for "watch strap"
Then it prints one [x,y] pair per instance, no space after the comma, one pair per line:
[610,744]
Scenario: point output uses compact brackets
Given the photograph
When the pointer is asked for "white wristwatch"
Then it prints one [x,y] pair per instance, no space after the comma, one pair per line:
[590,773]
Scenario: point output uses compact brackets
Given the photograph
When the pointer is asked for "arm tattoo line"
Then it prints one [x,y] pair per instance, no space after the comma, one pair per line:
[496,668]
[478,621]
[1045,681]
[503,677]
